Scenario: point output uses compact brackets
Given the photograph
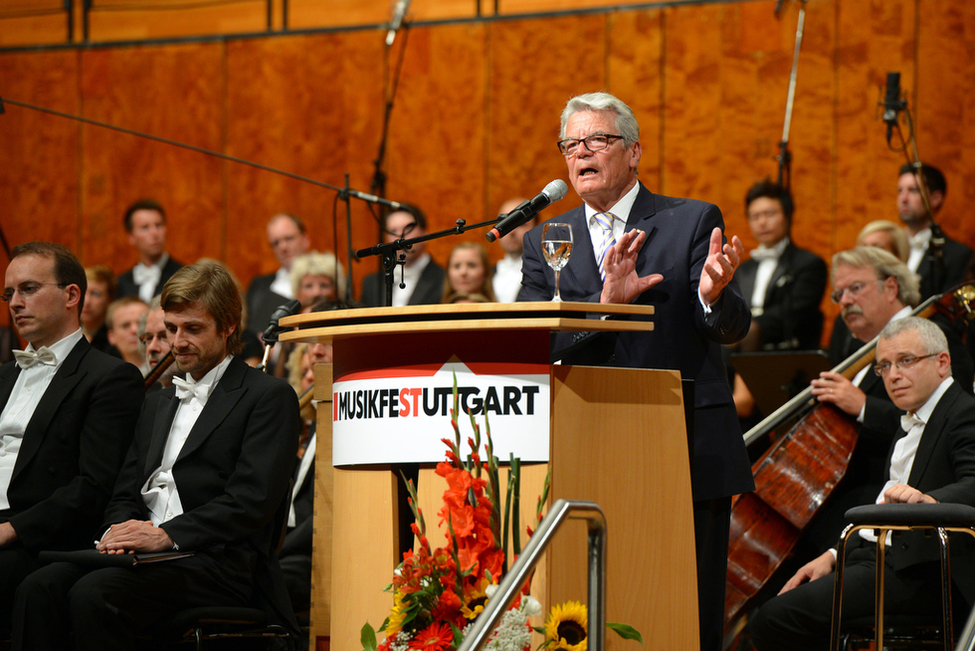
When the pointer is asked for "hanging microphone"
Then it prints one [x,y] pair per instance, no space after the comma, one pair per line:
[272,330]
[553,192]
[893,104]
[399,12]
[778,8]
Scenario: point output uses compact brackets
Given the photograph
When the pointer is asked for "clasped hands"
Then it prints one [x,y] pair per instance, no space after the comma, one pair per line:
[622,284]
[826,562]
[134,536]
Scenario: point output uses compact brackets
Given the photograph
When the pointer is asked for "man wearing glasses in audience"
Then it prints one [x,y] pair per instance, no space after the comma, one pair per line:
[67,412]
[872,288]
[154,344]
[932,460]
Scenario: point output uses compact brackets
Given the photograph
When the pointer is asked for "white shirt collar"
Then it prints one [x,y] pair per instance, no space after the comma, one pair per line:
[62,347]
[621,209]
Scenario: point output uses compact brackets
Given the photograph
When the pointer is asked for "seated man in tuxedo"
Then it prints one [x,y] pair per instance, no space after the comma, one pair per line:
[937,276]
[633,246]
[422,276]
[66,417]
[207,472]
[783,283]
[933,460]
[872,288]
[145,222]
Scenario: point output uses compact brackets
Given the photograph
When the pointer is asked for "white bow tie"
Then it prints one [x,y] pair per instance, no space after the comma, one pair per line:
[142,274]
[761,254]
[186,389]
[910,420]
[27,358]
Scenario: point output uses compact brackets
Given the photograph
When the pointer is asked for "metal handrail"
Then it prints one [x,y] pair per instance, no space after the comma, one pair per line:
[561,511]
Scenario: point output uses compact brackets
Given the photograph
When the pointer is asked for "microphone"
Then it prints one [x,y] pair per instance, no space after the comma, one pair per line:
[778,8]
[272,330]
[892,102]
[553,192]
[399,12]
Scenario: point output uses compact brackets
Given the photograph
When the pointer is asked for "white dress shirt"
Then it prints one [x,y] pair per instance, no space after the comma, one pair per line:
[29,388]
[147,277]
[282,283]
[411,276]
[507,279]
[919,246]
[160,492]
[768,259]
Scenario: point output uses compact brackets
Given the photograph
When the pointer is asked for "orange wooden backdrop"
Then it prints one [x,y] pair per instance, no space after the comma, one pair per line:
[475,121]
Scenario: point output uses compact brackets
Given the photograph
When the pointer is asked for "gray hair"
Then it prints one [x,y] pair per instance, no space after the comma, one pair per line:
[885,265]
[317,264]
[932,337]
[626,122]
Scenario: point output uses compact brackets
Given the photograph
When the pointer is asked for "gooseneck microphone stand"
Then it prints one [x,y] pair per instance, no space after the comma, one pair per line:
[908,146]
[393,253]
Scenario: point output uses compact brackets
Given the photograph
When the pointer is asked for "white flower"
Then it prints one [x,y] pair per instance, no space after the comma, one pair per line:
[491,590]
[531,606]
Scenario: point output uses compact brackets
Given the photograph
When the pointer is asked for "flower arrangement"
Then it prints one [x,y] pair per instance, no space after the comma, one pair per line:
[437,593]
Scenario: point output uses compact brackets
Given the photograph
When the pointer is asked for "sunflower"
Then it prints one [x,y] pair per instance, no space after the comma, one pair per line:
[397,616]
[566,627]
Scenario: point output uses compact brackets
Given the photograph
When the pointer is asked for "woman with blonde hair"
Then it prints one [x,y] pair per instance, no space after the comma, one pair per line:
[468,273]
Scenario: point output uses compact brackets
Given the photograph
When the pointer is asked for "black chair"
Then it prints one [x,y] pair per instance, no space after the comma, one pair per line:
[882,518]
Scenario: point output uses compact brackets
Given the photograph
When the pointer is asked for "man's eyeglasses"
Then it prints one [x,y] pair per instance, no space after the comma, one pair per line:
[595,142]
[883,368]
[148,337]
[26,290]
[852,289]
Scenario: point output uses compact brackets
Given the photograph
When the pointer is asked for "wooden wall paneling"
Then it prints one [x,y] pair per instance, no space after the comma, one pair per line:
[536,67]
[309,14]
[175,92]
[39,174]
[43,29]
[437,137]
[938,101]
[309,105]
[634,74]
[138,23]
[872,39]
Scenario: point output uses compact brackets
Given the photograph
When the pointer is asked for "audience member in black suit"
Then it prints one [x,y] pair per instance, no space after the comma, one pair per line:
[932,460]
[507,272]
[633,246]
[288,238]
[208,472]
[423,277]
[145,222]
[872,288]
[783,284]
[100,294]
[66,417]
[936,278]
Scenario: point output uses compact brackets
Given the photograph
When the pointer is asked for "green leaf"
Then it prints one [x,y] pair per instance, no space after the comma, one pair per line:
[625,631]
[367,637]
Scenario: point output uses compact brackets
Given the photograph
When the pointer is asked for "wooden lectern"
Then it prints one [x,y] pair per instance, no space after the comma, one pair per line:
[616,437]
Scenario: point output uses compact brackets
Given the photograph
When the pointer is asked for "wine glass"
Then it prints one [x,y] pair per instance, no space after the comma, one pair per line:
[557,247]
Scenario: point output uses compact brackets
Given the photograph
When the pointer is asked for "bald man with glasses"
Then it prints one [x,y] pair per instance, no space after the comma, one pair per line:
[67,413]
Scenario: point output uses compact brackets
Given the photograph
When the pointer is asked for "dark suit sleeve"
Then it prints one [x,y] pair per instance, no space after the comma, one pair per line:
[252,493]
[961,455]
[109,419]
[729,317]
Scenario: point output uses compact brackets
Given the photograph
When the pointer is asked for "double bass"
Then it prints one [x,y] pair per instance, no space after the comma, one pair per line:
[797,474]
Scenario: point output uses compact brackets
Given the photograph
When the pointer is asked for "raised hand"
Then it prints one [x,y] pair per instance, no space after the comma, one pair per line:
[622,284]
[719,267]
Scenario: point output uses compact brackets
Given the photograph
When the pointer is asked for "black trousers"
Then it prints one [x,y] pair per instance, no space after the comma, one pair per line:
[15,564]
[800,619]
[107,607]
[712,525]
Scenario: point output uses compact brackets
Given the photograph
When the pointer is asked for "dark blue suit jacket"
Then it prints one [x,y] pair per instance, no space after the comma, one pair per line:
[684,339]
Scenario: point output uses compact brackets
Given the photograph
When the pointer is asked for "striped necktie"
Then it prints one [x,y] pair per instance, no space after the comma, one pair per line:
[605,221]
